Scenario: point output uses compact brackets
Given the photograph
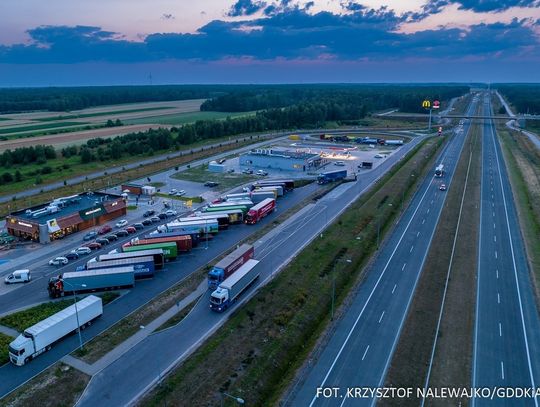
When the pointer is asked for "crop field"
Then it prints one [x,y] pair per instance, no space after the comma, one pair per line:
[13,131]
[183,118]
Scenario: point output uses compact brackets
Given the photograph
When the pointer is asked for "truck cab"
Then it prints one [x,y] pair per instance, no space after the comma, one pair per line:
[219,300]
[215,276]
[18,276]
[21,349]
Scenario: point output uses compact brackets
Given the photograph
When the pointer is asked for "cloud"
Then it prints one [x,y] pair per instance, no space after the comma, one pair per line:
[294,34]
[434,6]
[246,8]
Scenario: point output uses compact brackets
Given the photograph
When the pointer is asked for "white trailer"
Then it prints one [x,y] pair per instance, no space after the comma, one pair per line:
[229,290]
[277,188]
[40,337]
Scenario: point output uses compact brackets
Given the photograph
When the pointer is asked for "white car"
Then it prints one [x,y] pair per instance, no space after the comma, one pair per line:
[261,172]
[121,223]
[113,251]
[180,193]
[18,276]
[82,250]
[339,163]
[378,156]
[172,192]
[58,261]
[171,212]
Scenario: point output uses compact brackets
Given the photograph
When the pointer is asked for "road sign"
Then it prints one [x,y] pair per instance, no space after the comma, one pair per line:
[436,104]
[189,203]
[426,104]
[440,130]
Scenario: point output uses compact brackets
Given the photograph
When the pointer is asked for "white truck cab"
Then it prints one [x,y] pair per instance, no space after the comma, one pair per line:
[18,276]
[219,299]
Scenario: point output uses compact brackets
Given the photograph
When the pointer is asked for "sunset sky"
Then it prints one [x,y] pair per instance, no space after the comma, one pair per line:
[61,42]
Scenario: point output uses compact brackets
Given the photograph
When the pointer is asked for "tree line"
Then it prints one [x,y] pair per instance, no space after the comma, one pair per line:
[524,97]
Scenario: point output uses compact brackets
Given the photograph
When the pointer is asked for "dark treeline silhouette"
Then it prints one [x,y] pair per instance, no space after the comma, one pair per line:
[525,97]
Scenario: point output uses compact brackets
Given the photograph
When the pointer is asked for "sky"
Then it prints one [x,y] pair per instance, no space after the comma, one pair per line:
[140,42]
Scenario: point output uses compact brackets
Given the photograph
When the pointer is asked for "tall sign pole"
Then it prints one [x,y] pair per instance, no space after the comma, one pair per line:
[426,104]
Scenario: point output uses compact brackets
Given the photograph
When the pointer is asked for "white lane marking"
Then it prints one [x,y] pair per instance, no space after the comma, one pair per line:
[403,268]
[427,210]
[431,202]
[365,353]
[500,329]
[423,221]
[412,247]
[493,225]
[382,315]
[394,289]
[496,254]
[493,204]
[497,273]
[417,234]
[493,213]
[494,238]
[498,298]
[502,369]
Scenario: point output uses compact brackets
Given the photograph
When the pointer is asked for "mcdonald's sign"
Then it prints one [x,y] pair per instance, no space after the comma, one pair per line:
[426,104]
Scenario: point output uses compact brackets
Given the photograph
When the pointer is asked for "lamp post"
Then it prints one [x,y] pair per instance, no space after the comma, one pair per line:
[76,311]
[237,399]
[334,287]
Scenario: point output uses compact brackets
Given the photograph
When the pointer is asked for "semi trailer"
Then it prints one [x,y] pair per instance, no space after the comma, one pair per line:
[142,266]
[231,288]
[183,243]
[331,176]
[229,264]
[157,254]
[260,210]
[170,249]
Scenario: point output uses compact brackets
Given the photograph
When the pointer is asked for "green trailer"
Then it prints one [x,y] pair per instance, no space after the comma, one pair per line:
[170,249]
[227,208]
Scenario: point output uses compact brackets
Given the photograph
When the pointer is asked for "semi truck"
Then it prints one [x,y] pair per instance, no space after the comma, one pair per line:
[257,196]
[183,243]
[439,171]
[393,142]
[157,254]
[170,250]
[195,237]
[239,202]
[229,290]
[235,197]
[40,337]
[142,266]
[91,280]
[235,215]
[278,188]
[287,183]
[260,210]
[229,264]
[231,206]
[202,227]
[222,219]
[331,176]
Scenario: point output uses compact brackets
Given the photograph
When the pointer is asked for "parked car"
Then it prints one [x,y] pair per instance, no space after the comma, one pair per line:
[138,226]
[162,215]
[111,237]
[102,241]
[89,236]
[93,246]
[172,192]
[131,229]
[71,256]
[211,184]
[121,223]
[180,193]
[261,173]
[82,250]
[149,212]
[18,276]
[113,251]
[442,187]
[339,163]
[122,233]
[155,219]
[221,161]
[146,222]
[105,229]
[58,261]
[171,212]
[247,171]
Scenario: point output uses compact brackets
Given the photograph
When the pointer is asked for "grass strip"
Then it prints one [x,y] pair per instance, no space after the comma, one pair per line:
[259,349]
[5,340]
[178,317]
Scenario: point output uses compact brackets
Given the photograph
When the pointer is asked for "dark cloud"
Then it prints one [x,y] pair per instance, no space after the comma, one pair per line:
[434,6]
[246,8]
[292,35]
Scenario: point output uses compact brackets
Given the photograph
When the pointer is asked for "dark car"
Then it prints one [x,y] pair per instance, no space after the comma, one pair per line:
[102,241]
[111,237]
[93,246]
[211,184]
[104,230]
[146,222]
[89,236]
[138,226]
[155,219]
[162,215]
[131,229]
[149,212]
[71,256]
[122,233]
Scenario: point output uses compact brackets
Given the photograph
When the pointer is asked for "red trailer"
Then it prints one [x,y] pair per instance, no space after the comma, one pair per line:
[259,211]
[183,243]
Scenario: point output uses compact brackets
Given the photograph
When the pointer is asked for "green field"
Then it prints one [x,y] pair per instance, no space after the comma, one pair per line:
[183,118]
[111,113]
[20,129]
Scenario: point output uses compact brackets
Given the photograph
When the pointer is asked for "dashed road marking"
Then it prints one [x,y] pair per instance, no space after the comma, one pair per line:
[403,268]
[380,319]
[365,353]
[394,289]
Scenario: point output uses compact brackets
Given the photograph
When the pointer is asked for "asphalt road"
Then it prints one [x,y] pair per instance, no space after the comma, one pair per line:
[506,347]
[360,349]
[150,359]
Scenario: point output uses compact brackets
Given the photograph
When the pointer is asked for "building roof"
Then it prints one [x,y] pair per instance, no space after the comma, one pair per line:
[297,155]
[67,206]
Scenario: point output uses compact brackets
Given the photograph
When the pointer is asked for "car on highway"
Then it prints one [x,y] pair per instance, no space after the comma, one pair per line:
[90,236]
[146,222]
[18,276]
[378,156]
[211,184]
[442,187]
[71,256]
[261,173]
[58,261]
[149,212]
[102,241]
[111,237]
[82,250]
[93,246]
[155,219]
[162,215]
[121,223]
[122,233]
[131,229]
[171,212]
[138,226]
[105,229]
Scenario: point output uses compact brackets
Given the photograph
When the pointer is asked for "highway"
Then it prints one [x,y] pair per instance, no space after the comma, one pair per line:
[506,346]
[113,386]
[359,351]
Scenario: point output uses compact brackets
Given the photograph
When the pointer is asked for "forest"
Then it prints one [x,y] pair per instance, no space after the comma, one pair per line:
[524,97]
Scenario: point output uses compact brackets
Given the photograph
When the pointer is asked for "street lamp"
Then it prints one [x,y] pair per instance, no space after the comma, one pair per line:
[76,311]
[237,399]
[334,286]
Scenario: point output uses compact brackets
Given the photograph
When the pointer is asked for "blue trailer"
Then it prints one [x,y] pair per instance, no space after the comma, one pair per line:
[142,266]
[331,176]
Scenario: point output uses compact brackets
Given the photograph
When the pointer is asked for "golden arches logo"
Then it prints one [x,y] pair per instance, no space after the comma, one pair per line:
[426,104]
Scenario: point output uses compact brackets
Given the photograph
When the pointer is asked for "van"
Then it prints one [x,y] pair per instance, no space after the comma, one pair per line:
[18,276]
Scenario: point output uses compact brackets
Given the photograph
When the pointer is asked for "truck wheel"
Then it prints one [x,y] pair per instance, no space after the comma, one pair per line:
[89,323]
[48,348]
[26,360]
[83,326]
